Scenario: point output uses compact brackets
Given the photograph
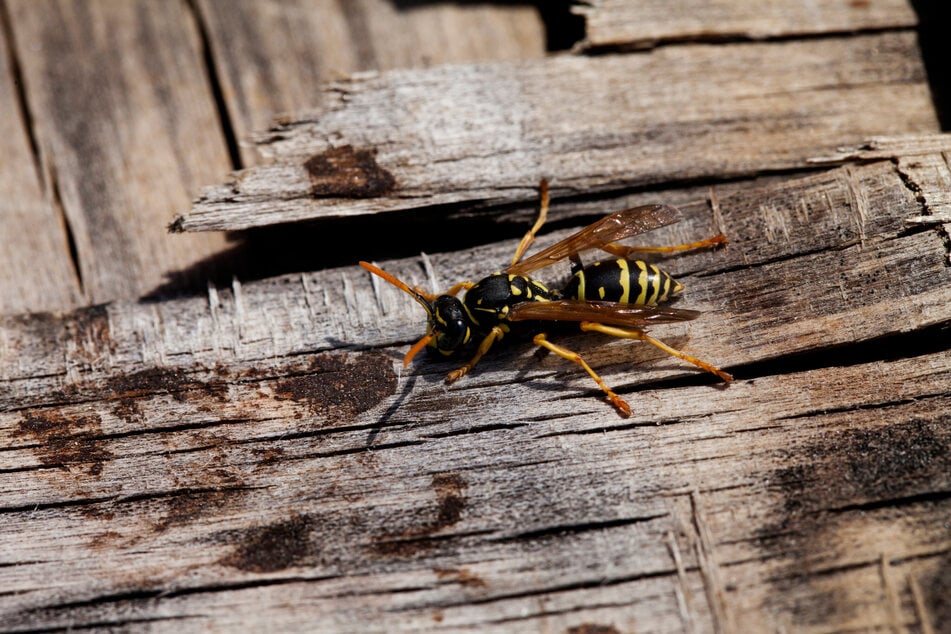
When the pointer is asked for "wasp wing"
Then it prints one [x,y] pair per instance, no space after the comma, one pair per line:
[617,226]
[609,313]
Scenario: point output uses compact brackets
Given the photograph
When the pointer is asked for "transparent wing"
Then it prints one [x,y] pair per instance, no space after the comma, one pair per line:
[617,226]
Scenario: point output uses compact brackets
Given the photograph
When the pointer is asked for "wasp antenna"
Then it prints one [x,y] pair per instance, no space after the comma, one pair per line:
[412,352]
[398,284]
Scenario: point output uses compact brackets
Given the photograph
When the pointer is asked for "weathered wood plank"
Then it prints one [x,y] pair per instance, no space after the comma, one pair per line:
[849,220]
[37,270]
[888,147]
[273,57]
[488,132]
[770,504]
[126,130]
[925,162]
[212,460]
[642,22]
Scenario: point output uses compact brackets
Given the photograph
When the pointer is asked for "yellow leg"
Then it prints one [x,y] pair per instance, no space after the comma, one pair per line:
[564,353]
[529,237]
[495,334]
[640,335]
[623,251]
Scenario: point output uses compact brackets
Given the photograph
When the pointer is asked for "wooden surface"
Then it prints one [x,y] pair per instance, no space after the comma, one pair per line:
[94,119]
[273,57]
[627,23]
[250,455]
[276,456]
[36,283]
[490,132]
[126,126]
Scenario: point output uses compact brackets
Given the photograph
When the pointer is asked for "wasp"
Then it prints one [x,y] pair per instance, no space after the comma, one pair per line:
[619,297]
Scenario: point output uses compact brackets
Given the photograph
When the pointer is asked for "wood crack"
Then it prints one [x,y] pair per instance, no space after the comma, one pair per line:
[215,87]
[583,527]
[561,588]
[725,38]
[930,497]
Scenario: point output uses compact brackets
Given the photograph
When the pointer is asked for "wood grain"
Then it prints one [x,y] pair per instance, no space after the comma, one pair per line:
[255,458]
[924,161]
[613,23]
[849,220]
[488,133]
[38,273]
[274,57]
[126,129]
[212,461]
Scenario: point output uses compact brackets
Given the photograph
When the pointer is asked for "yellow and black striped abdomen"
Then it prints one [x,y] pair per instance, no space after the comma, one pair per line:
[622,281]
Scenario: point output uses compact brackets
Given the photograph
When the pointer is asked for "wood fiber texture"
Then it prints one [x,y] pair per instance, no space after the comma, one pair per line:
[488,133]
[290,462]
[620,23]
[249,453]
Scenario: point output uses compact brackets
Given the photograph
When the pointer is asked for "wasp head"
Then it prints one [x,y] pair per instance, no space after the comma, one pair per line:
[448,328]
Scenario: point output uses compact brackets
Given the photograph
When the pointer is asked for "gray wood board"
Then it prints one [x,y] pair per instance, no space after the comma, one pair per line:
[214,461]
[273,56]
[126,130]
[109,115]
[477,133]
[645,22]
[37,272]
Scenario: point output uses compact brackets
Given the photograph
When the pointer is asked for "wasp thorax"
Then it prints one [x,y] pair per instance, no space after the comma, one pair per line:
[448,324]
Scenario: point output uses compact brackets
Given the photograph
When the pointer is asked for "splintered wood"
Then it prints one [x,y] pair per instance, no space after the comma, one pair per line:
[517,498]
[490,132]
[119,127]
[276,57]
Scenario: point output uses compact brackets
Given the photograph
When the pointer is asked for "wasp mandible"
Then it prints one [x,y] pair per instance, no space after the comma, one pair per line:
[619,297]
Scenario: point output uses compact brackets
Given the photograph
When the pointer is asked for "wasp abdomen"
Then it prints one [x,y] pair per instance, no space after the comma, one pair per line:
[624,282]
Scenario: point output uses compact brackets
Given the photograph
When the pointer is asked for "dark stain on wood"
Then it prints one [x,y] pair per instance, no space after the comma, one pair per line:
[463,576]
[128,410]
[174,382]
[341,383]
[592,628]
[192,506]
[861,466]
[856,470]
[450,503]
[89,329]
[269,456]
[127,389]
[274,547]
[348,173]
[450,492]
[66,442]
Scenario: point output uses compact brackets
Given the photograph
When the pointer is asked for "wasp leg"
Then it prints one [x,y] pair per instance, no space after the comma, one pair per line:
[529,236]
[542,340]
[640,335]
[624,251]
[454,289]
[494,334]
